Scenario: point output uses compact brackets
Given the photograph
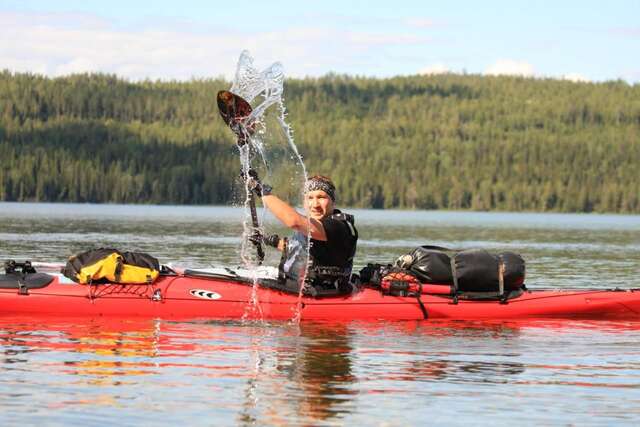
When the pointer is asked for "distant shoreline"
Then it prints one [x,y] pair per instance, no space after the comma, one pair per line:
[452,142]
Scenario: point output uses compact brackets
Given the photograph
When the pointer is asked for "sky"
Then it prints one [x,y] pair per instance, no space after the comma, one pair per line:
[180,40]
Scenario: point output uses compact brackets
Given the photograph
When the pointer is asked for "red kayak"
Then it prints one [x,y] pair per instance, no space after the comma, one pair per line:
[202,295]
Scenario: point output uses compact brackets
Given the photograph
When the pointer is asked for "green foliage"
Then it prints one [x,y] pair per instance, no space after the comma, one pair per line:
[423,142]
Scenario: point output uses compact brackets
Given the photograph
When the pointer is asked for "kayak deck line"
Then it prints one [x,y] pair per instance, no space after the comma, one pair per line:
[192,296]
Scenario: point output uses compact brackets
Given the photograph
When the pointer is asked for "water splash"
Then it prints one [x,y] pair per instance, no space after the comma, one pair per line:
[271,150]
[250,83]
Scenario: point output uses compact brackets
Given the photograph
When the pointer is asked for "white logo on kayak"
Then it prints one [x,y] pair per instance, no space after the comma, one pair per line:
[204,294]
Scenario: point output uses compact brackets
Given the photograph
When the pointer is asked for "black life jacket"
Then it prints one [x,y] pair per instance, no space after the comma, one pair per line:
[326,276]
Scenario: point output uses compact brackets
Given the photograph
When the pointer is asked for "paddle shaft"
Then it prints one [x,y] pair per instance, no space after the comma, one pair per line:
[235,112]
[256,225]
[243,138]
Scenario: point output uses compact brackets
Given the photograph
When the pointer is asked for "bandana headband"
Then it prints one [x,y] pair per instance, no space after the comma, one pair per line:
[317,184]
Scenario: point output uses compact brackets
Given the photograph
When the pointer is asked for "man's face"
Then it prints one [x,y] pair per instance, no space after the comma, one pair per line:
[318,204]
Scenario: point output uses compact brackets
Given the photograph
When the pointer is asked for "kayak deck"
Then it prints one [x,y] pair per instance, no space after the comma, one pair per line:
[187,297]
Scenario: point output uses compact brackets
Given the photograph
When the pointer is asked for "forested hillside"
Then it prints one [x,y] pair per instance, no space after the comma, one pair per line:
[428,142]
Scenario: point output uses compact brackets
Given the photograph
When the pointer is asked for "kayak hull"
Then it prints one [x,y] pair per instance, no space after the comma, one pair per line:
[186,297]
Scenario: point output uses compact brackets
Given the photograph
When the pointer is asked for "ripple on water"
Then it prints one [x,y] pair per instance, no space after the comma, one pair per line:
[151,372]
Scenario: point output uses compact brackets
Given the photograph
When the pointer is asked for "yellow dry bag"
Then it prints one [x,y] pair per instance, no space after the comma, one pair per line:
[112,266]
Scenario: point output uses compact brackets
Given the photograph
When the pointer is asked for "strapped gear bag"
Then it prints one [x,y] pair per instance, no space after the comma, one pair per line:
[430,264]
[468,271]
[106,265]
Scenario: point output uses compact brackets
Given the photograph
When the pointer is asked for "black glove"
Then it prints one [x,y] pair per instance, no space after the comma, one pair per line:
[269,240]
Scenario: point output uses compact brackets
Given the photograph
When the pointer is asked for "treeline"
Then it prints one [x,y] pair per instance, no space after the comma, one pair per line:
[427,142]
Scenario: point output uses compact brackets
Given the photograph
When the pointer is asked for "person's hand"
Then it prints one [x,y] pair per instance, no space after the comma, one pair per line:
[255,185]
[255,237]
[269,240]
[252,181]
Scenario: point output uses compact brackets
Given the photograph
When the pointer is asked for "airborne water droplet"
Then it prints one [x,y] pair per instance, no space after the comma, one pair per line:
[264,89]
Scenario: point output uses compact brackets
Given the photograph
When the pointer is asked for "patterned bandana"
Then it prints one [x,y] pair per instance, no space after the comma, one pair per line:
[317,184]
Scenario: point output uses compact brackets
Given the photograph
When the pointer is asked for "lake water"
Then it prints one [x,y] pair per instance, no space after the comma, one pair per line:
[151,372]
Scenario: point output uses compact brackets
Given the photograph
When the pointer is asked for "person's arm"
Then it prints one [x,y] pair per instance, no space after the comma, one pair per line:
[291,218]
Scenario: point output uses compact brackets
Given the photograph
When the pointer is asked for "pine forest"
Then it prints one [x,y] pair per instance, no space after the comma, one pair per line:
[418,142]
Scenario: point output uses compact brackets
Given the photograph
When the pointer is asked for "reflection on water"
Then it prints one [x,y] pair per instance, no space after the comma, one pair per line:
[321,370]
[153,372]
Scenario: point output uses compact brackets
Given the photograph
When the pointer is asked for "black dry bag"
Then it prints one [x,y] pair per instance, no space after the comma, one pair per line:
[430,264]
[478,271]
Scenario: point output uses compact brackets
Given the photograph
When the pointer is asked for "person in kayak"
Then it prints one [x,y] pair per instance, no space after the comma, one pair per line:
[333,238]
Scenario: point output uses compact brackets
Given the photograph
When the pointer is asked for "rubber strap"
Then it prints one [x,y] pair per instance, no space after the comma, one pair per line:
[440,248]
[425,315]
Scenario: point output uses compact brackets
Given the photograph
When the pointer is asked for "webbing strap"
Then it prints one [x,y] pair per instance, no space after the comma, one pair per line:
[22,287]
[501,293]
[283,259]
[501,277]
[454,289]
[118,270]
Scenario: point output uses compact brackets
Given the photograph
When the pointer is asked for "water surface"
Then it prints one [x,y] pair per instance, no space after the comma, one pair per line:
[67,371]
